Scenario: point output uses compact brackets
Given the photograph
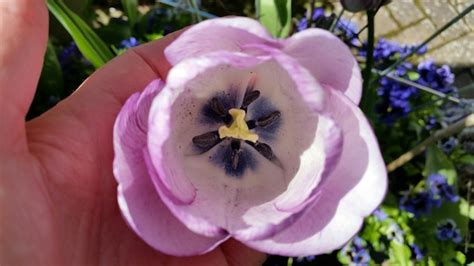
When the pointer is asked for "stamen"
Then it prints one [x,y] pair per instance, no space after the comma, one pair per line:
[235,145]
[249,97]
[218,107]
[264,149]
[268,120]
[207,140]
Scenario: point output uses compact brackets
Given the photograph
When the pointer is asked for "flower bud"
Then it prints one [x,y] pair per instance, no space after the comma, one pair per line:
[361,5]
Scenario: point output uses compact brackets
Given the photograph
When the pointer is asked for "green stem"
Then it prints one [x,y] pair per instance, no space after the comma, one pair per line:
[367,93]
[429,39]
[424,88]
[452,129]
[334,23]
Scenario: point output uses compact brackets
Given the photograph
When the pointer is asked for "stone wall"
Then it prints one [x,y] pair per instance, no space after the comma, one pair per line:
[412,21]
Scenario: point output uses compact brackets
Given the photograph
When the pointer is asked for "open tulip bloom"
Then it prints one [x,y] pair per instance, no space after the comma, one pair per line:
[252,138]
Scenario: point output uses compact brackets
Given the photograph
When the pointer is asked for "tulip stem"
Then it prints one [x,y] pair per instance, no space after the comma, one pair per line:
[452,129]
[429,39]
[367,94]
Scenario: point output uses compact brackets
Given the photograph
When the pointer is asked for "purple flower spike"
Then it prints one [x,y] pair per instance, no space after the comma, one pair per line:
[440,189]
[447,231]
[252,138]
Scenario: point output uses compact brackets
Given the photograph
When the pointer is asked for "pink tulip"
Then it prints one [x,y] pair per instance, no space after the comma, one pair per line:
[252,138]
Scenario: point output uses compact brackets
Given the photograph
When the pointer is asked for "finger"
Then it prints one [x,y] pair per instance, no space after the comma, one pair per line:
[81,125]
[24,29]
[152,52]
[238,254]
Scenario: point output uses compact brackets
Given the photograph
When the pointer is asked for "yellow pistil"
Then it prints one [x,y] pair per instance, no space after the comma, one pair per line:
[238,129]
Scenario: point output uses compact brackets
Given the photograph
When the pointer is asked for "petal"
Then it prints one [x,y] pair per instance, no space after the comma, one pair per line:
[139,202]
[222,34]
[245,205]
[352,191]
[328,59]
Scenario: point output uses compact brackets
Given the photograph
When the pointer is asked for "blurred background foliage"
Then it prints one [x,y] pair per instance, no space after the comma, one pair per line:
[427,216]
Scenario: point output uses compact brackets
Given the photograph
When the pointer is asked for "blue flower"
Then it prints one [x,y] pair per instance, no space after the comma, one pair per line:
[447,230]
[349,31]
[417,252]
[394,100]
[302,24]
[380,215]
[439,189]
[68,54]
[395,233]
[305,259]
[449,145]
[431,122]
[416,203]
[438,78]
[345,29]
[357,251]
[395,97]
[318,13]
[129,43]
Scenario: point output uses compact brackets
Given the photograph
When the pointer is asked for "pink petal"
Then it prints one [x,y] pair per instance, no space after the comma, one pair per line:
[352,191]
[244,207]
[222,34]
[139,202]
[328,59]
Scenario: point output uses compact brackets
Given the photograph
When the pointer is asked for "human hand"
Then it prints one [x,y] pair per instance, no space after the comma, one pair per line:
[57,193]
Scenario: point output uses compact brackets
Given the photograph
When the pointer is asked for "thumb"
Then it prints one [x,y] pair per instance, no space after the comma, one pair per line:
[24,29]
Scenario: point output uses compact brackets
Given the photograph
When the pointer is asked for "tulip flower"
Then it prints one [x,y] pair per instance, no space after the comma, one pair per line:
[249,137]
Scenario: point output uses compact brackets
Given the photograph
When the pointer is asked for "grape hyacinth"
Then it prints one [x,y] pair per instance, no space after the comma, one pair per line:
[68,53]
[380,215]
[431,122]
[438,78]
[437,191]
[357,251]
[318,14]
[447,230]
[345,29]
[129,43]
[394,101]
[417,252]
[449,144]
[416,203]
[395,233]
[440,190]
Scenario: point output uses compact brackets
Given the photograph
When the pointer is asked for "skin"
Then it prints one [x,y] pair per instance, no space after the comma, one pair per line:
[58,202]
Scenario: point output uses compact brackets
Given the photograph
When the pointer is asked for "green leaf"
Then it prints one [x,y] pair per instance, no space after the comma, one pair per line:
[460,257]
[400,254]
[51,81]
[88,42]
[275,15]
[412,75]
[466,209]
[438,162]
[450,210]
[131,9]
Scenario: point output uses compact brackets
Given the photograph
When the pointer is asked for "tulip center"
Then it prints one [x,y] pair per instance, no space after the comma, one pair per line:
[239,128]
[237,137]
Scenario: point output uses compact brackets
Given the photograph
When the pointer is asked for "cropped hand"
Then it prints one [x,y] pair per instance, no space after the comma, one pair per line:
[58,202]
